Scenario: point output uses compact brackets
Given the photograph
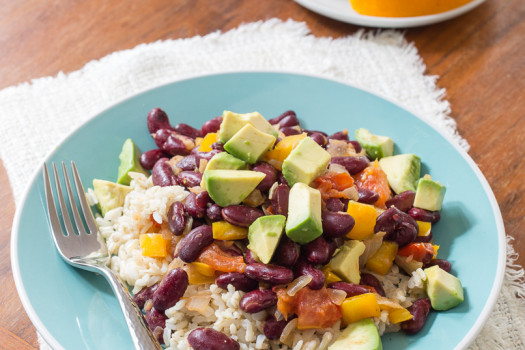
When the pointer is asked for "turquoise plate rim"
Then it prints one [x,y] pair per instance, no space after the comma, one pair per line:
[498,220]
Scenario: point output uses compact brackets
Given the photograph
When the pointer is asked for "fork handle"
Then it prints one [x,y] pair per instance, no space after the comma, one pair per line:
[143,338]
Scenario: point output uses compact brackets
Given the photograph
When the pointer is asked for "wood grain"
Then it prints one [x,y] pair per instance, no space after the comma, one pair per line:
[479,58]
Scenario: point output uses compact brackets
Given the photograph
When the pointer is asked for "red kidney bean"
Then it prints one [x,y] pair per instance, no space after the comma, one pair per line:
[304,268]
[204,155]
[157,119]
[419,310]
[339,136]
[336,224]
[281,179]
[367,279]
[319,138]
[144,295]
[352,164]
[442,263]
[187,130]
[239,281]
[289,131]
[149,158]
[367,196]
[188,163]
[270,273]
[210,339]
[357,146]
[189,178]
[350,288]
[310,132]
[270,175]
[278,119]
[156,322]
[241,215]
[424,215]
[197,204]
[334,204]
[160,137]
[287,252]
[317,251]
[402,201]
[333,244]
[424,239]
[345,203]
[177,218]
[214,212]
[279,199]
[170,289]
[175,146]
[217,146]
[399,226]
[249,257]
[258,300]
[212,125]
[273,328]
[162,175]
[191,246]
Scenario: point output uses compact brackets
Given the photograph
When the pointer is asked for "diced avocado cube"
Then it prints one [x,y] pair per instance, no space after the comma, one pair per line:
[376,146]
[233,122]
[443,289]
[110,195]
[360,335]
[129,162]
[249,144]
[225,161]
[402,171]
[304,214]
[230,187]
[345,263]
[264,235]
[305,162]
[429,194]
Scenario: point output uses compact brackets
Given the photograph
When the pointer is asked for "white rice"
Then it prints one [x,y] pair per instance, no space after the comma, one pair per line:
[145,204]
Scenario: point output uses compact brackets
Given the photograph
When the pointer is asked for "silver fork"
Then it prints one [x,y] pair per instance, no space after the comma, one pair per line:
[86,250]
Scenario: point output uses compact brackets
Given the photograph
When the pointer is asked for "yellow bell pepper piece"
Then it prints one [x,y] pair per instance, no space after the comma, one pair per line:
[329,276]
[359,307]
[225,231]
[383,259]
[200,273]
[207,141]
[365,216]
[282,149]
[424,228]
[396,313]
[436,248]
[154,245]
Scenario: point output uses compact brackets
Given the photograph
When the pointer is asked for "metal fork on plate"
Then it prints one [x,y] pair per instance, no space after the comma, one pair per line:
[85,249]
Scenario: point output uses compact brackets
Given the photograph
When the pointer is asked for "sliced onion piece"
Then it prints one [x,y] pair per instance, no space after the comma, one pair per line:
[298,284]
[337,296]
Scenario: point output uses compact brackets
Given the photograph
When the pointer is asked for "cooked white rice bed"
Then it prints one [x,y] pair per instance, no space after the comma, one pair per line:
[121,228]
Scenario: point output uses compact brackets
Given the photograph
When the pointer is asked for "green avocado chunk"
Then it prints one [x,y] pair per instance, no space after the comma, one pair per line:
[345,263]
[360,335]
[249,144]
[110,195]
[376,146]
[129,162]
[307,161]
[443,289]
[230,187]
[304,214]
[402,171]
[429,194]
[264,235]
[225,161]
[233,122]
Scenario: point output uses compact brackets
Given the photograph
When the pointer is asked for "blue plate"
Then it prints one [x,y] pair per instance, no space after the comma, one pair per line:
[74,309]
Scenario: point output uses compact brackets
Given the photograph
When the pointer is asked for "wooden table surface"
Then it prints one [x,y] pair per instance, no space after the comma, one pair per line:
[479,57]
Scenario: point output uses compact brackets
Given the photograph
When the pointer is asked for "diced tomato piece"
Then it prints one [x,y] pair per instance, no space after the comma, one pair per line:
[422,252]
[219,260]
[315,309]
[331,184]
[285,302]
[374,178]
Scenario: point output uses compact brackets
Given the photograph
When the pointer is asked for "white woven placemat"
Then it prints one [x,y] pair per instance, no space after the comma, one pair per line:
[36,115]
